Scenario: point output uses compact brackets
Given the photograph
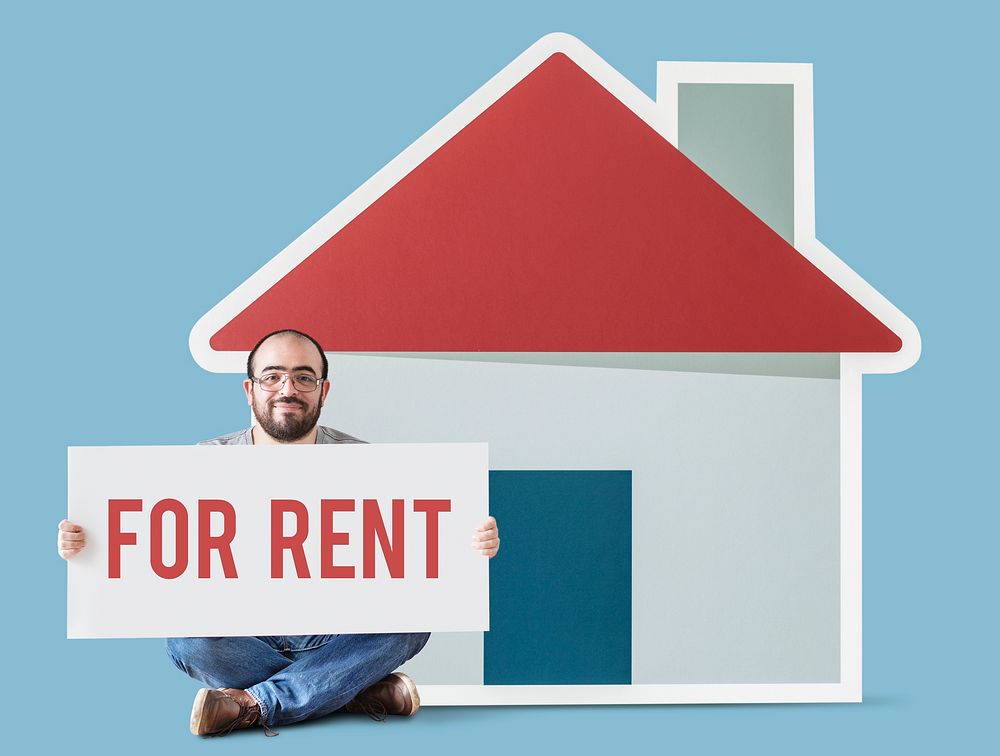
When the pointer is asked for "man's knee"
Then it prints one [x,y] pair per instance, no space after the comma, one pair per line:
[418,641]
[192,655]
[177,650]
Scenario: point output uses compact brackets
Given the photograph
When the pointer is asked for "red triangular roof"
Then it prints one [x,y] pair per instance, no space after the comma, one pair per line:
[559,221]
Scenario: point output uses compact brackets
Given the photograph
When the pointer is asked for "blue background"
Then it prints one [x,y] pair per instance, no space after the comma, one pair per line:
[154,157]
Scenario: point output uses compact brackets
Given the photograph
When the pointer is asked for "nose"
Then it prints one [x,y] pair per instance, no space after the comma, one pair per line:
[288,388]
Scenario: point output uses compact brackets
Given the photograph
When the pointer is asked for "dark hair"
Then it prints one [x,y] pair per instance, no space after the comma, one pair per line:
[293,332]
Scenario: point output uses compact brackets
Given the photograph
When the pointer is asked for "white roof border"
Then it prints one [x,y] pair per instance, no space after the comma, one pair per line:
[660,115]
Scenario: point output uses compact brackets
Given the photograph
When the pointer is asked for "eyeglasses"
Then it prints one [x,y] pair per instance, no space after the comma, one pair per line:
[304,382]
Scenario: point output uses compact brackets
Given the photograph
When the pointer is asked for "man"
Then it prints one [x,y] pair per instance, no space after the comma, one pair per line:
[281,680]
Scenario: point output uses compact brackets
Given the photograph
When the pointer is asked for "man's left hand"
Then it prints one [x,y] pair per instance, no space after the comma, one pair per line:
[486,539]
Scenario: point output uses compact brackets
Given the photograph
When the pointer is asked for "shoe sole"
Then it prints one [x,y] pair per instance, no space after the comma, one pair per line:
[412,688]
[198,711]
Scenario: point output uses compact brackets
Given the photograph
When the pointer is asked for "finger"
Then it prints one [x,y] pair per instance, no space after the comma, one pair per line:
[70,527]
[488,535]
[67,536]
[493,543]
[67,553]
[490,524]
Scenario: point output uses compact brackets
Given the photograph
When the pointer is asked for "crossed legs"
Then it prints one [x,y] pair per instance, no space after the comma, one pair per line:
[297,685]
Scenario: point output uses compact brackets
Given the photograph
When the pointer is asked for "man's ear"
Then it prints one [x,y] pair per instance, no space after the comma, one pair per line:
[248,387]
[324,391]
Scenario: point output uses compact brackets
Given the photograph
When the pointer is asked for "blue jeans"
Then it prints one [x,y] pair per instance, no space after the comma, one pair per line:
[295,677]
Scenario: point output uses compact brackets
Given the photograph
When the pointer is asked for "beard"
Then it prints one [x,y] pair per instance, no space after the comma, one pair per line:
[286,427]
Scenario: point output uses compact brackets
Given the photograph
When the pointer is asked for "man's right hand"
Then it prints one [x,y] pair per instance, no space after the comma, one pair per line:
[71,539]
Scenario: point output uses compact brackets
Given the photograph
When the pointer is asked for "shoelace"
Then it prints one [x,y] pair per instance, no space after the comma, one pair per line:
[249,714]
[268,732]
[373,707]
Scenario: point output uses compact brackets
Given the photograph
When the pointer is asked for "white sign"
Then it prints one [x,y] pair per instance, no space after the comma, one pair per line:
[277,540]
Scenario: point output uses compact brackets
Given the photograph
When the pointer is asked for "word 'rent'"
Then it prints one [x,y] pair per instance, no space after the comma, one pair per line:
[372,529]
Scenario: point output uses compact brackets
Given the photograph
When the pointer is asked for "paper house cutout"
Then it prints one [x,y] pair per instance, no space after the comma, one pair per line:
[551,213]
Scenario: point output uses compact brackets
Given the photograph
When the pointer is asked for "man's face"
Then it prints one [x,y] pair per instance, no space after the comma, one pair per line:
[287,414]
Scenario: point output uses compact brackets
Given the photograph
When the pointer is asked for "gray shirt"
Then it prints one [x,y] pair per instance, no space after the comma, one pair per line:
[324,435]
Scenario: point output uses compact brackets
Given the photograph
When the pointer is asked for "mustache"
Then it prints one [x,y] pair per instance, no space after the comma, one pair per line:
[288,400]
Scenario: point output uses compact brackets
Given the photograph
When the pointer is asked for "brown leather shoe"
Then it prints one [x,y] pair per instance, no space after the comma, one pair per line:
[395,694]
[220,711]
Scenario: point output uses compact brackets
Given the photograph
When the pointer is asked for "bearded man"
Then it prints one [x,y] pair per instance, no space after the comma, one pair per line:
[277,680]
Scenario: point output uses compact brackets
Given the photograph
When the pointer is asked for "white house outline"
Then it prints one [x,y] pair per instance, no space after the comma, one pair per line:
[661,115]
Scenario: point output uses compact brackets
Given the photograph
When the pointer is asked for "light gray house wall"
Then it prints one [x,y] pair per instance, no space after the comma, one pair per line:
[735,497]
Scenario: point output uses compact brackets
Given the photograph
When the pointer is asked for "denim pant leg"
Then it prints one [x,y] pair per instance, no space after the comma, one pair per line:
[237,662]
[321,680]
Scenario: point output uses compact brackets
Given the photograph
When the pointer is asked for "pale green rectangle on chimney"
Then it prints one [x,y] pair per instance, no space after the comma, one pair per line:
[742,136]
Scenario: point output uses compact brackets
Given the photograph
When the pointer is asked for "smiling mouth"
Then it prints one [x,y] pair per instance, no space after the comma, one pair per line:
[288,406]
